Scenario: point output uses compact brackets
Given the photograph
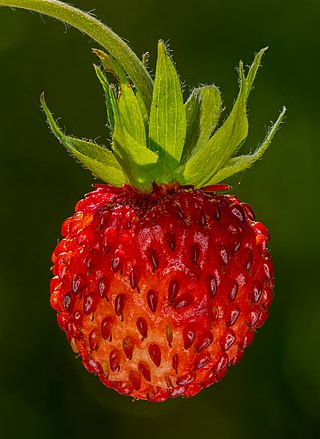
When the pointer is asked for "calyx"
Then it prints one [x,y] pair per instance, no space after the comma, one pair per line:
[172,140]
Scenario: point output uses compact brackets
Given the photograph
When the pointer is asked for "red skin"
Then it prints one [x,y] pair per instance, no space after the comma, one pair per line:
[160,293]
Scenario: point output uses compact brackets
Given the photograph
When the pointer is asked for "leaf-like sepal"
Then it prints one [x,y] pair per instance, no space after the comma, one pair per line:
[242,162]
[203,109]
[128,104]
[106,88]
[99,160]
[208,160]
[137,161]
[183,142]
[167,122]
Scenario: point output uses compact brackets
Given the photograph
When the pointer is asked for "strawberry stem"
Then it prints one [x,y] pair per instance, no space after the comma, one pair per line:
[101,33]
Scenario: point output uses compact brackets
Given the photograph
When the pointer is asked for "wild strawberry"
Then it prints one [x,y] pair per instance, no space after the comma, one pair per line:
[160,281]
[160,291]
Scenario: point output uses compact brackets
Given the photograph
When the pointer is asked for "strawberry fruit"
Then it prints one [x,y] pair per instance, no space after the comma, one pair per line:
[159,293]
[162,278]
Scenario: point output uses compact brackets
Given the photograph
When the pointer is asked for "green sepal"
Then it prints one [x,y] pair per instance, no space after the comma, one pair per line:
[106,88]
[131,114]
[99,160]
[137,161]
[111,65]
[143,108]
[242,162]
[144,112]
[208,160]
[203,110]
[167,122]
[128,104]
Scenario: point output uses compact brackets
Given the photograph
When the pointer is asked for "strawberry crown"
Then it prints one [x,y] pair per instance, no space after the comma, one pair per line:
[155,135]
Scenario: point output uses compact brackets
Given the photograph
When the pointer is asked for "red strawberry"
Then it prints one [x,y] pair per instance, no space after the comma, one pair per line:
[160,282]
[159,293]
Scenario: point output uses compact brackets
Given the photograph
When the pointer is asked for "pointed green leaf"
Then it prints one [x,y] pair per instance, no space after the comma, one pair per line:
[100,161]
[144,112]
[138,161]
[208,160]
[242,162]
[97,159]
[106,88]
[111,65]
[143,108]
[129,107]
[131,114]
[167,123]
[203,110]
[192,108]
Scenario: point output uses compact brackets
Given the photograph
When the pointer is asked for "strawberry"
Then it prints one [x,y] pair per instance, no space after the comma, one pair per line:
[159,293]
[162,277]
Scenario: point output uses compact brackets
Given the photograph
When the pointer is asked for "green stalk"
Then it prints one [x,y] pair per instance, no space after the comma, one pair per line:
[98,32]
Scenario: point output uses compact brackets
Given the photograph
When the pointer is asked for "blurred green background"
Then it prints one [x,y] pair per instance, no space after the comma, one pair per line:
[44,391]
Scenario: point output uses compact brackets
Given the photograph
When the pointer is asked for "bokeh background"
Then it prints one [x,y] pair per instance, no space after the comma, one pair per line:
[44,391]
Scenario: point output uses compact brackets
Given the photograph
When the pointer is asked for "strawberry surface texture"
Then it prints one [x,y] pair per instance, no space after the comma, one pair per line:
[159,294]
[162,277]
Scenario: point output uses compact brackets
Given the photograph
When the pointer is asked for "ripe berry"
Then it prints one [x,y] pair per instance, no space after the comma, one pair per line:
[182,323]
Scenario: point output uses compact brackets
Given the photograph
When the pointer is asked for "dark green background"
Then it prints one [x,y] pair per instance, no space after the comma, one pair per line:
[44,391]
